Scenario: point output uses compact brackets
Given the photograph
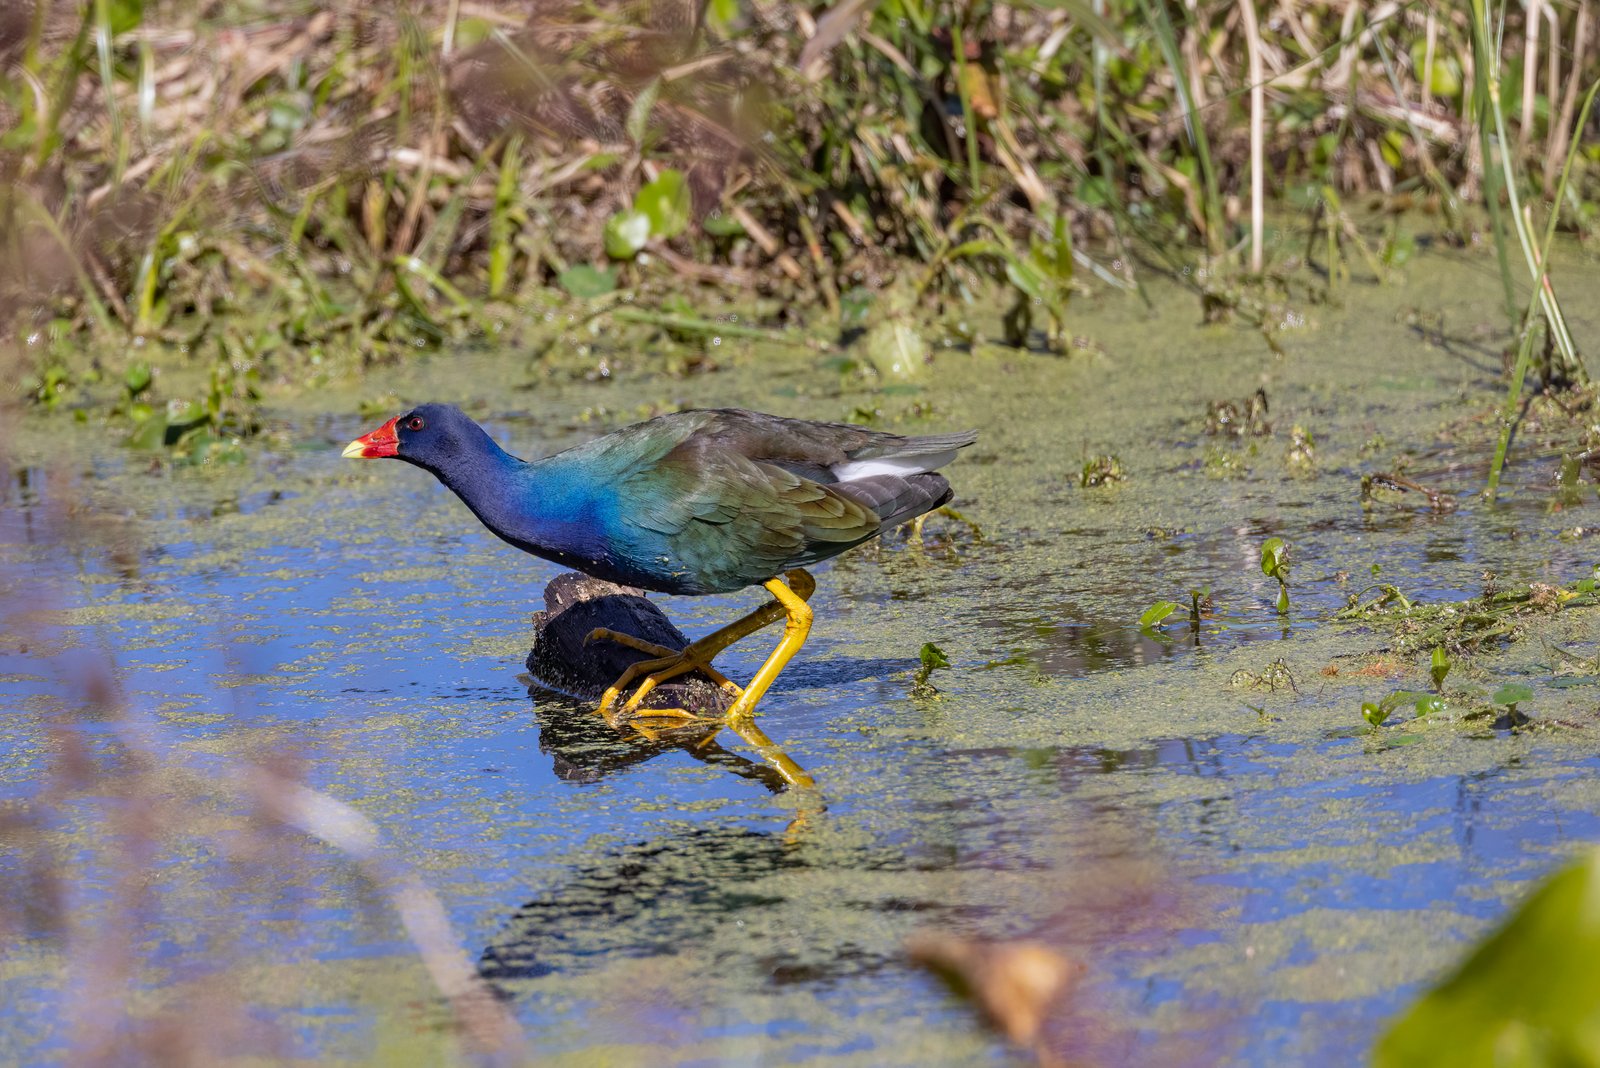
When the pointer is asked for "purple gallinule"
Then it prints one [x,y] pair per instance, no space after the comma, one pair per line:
[696,502]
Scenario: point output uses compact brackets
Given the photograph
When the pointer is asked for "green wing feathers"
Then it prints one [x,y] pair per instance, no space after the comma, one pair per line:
[735,499]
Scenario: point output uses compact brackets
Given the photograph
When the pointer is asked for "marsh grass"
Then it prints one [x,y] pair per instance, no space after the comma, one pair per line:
[298,191]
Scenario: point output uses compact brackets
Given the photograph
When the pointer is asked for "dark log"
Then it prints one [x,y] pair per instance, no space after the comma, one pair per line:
[562,658]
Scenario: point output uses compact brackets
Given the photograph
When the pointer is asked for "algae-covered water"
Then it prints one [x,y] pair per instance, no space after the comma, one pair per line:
[1246,875]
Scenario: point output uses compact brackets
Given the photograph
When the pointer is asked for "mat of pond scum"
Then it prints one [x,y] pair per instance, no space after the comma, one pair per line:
[1247,878]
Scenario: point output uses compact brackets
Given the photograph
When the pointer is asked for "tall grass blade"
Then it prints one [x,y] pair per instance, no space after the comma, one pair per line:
[501,247]
[1485,99]
[1571,363]
[1525,346]
[1258,108]
[1194,124]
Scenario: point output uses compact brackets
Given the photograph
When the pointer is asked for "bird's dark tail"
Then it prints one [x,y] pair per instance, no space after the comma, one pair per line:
[897,499]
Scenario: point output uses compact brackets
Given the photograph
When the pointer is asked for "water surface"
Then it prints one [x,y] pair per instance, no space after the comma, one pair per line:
[1247,879]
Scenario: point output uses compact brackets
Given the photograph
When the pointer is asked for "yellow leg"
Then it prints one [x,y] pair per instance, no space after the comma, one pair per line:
[697,655]
[795,629]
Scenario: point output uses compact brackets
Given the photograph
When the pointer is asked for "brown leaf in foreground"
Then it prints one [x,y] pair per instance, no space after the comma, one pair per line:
[1016,985]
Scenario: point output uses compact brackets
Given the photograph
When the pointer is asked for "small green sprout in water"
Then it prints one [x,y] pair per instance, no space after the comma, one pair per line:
[137,382]
[1511,695]
[1275,565]
[1439,668]
[1377,713]
[1156,613]
[933,658]
[1101,471]
[1588,585]
[1160,611]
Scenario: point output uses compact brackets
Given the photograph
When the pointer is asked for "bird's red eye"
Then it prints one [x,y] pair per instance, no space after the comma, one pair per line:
[414,423]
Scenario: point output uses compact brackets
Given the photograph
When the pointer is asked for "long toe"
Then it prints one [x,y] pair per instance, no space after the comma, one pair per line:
[646,675]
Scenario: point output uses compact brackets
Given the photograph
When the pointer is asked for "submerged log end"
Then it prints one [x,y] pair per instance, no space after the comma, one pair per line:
[563,659]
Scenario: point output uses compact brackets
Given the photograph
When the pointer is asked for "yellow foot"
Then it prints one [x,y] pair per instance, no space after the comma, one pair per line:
[788,604]
[668,664]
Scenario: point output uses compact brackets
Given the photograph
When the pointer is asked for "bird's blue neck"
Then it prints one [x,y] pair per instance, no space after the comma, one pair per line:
[534,506]
[481,473]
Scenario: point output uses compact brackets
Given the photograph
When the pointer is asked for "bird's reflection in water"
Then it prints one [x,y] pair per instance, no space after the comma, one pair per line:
[685,711]
[584,747]
[722,909]
[645,899]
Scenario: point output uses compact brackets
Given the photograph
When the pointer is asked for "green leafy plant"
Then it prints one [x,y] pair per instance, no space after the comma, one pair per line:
[1156,613]
[1510,696]
[1374,714]
[1528,994]
[660,210]
[1377,713]
[1439,666]
[1275,565]
[932,659]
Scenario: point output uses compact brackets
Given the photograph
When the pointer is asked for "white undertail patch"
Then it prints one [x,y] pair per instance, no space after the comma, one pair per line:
[891,465]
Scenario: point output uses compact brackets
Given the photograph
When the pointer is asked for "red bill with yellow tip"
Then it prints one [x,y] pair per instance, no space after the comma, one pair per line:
[381,442]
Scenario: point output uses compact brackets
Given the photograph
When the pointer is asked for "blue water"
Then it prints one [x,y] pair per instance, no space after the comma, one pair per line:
[1246,879]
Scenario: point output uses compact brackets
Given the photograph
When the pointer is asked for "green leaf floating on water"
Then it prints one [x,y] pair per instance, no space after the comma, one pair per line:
[1275,565]
[1528,995]
[1156,613]
[1429,705]
[150,433]
[1512,694]
[185,412]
